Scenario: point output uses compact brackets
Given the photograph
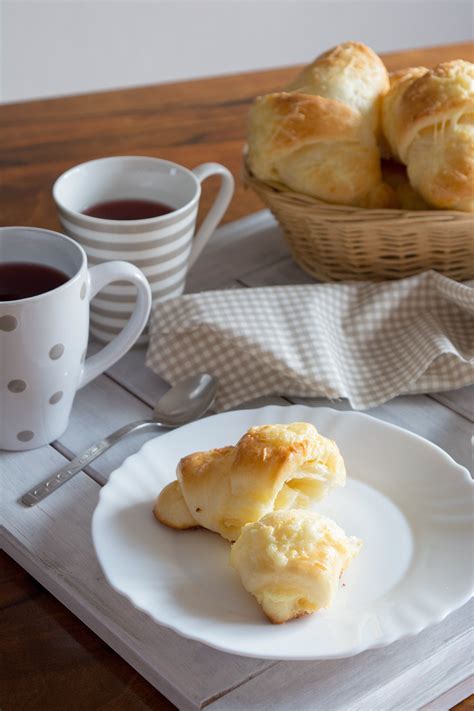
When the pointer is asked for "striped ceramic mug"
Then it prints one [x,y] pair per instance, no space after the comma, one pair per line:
[163,247]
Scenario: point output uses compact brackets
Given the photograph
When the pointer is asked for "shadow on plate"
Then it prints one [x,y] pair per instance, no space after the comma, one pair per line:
[192,566]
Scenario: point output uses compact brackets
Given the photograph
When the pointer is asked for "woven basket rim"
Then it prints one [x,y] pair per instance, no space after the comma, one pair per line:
[347,211]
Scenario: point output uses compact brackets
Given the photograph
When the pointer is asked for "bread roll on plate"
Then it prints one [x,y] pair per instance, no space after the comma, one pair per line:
[429,124]
[291,561]
[271,467]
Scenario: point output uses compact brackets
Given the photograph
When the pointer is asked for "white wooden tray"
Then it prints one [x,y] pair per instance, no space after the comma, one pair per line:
[52,541]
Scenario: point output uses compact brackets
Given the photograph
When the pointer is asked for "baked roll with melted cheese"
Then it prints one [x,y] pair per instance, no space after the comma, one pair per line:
[271,467]
[291,561]
[428,120]
[399,82]
[320,137]
[351,73]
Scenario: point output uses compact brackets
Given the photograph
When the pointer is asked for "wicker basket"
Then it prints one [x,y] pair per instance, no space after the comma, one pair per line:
[336,242]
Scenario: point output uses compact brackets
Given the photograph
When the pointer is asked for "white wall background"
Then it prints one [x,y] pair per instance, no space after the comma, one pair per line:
[56,47]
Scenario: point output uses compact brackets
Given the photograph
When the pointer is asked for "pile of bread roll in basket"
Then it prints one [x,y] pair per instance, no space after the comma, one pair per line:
[369,174]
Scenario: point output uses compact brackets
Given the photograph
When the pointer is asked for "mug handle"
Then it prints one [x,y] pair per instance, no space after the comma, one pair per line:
[217,210]
[100,276]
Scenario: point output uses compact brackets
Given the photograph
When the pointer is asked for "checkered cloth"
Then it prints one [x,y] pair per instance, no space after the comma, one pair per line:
[367,342]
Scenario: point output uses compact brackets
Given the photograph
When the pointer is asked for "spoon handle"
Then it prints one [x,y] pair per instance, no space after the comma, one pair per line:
[46,487]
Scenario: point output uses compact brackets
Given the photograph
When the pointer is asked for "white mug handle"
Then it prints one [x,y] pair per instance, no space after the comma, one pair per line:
[100,276]
[217,210]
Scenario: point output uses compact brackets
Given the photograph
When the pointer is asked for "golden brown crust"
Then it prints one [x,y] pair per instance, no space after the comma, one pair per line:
[282,123]
[357,54]
[445,89]
[323,137]
[300,117]
[171,510]
[429,123]
[441,166]
[275,621]
[351,73]
[273,466]
[268,456]
[195,465]
[443,93]
[316,146]
[320,137]
[399,82]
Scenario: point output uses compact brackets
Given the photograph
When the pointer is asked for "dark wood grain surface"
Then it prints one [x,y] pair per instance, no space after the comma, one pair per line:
[48,659]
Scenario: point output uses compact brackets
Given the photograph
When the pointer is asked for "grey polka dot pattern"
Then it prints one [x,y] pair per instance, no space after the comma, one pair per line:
[8,323]
[56,351]
[25,435]
[83,292]
[56,397]
[16,386]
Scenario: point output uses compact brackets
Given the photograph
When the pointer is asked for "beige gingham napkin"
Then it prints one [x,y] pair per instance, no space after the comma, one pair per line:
[367,342]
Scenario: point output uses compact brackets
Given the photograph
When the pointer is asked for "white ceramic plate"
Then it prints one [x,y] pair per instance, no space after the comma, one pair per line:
[406,498]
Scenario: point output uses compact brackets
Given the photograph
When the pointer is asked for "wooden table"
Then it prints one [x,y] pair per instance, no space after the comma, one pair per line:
[52,660]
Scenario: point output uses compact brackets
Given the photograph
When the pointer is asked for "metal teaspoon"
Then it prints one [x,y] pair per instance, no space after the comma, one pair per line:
[186,401]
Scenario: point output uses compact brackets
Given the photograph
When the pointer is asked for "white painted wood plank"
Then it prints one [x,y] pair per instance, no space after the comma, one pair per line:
[99,409]
[53,541]
[449,663]
[451,697]
[283,272]
[239,247]
[422,415]
[461,401]
[404,675]
[132,373]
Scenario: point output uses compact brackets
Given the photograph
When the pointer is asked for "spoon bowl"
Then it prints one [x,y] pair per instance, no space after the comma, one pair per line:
[188,400]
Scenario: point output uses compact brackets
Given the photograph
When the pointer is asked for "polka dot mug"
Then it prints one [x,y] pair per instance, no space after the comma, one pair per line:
[43,338]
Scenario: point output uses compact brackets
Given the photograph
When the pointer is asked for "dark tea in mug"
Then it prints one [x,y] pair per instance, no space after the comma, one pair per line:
[21,280]
[127,209]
